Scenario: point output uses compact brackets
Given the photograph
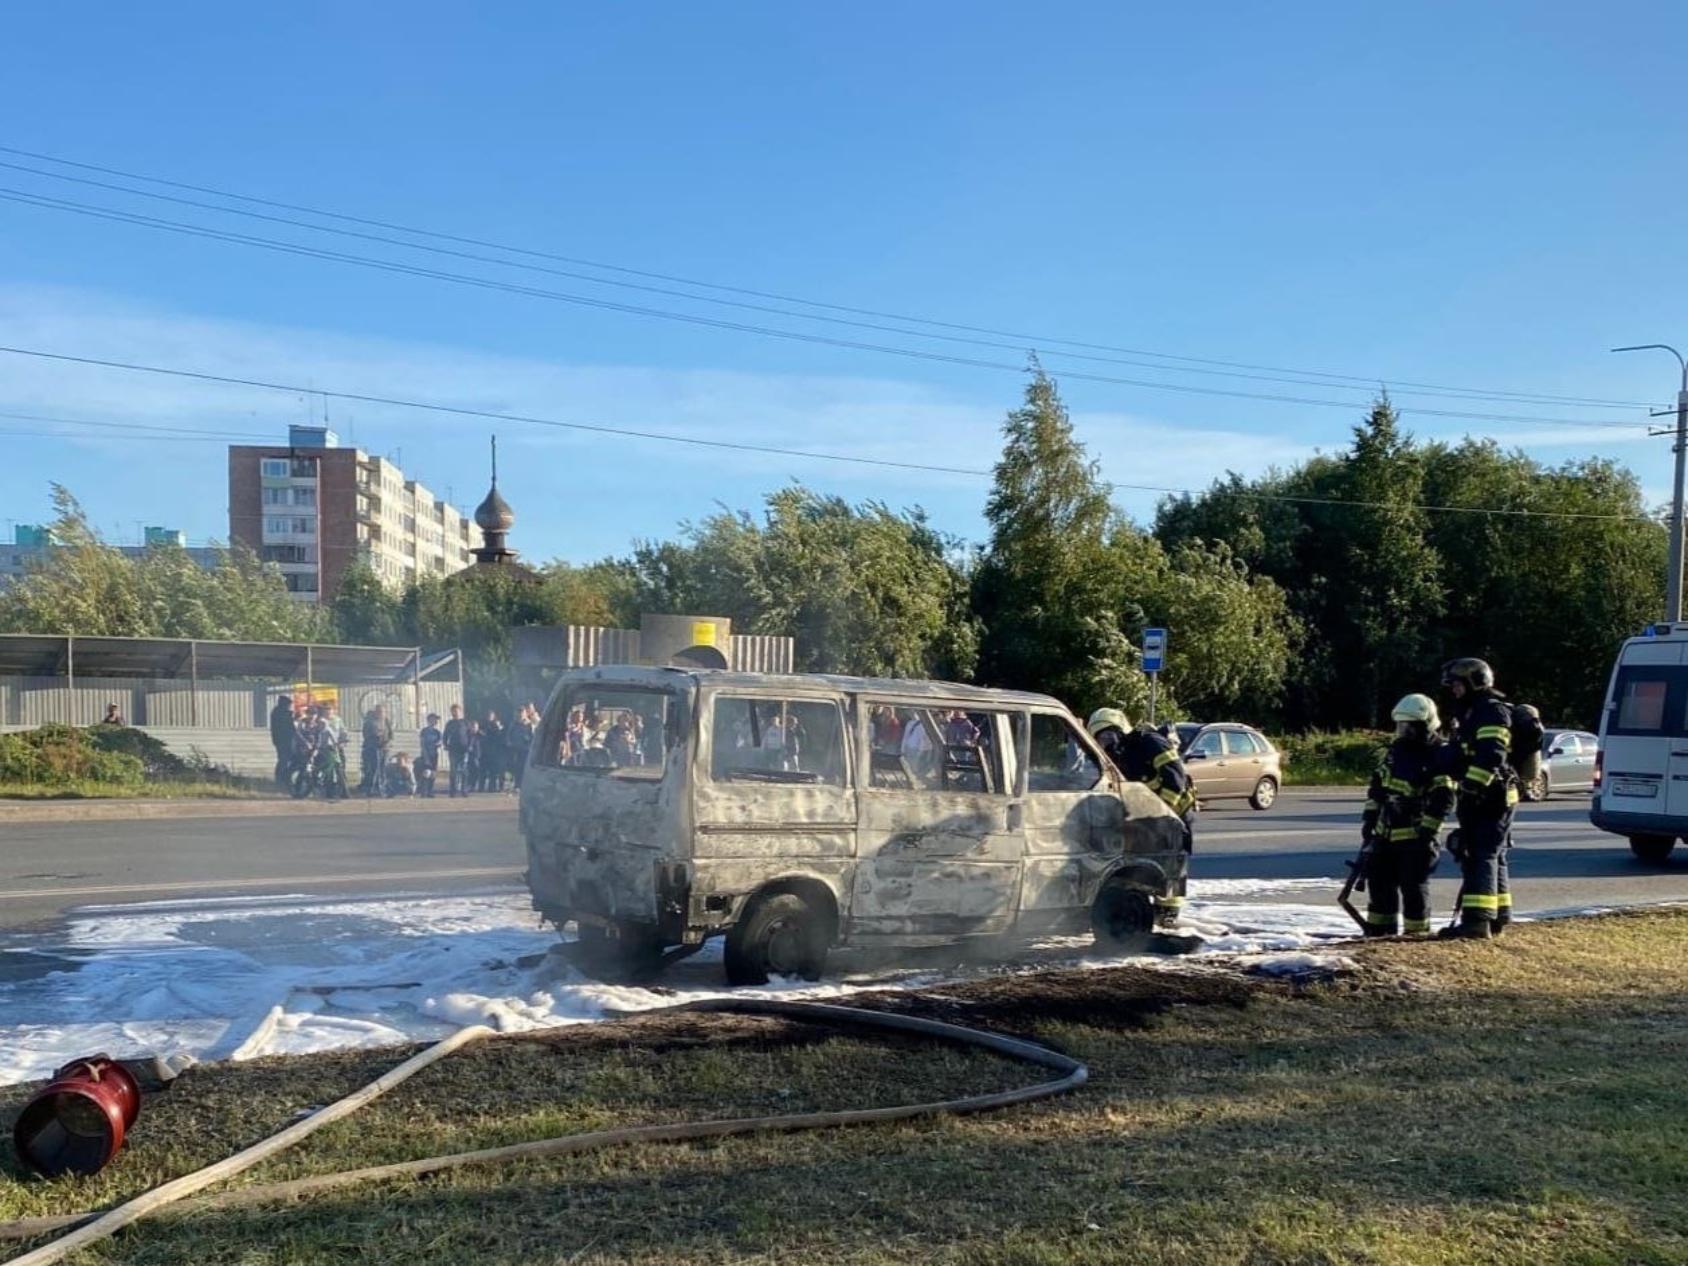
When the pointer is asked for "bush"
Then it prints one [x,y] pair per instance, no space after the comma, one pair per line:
[1342,759]
[58,755]
[156,759]
[20,761]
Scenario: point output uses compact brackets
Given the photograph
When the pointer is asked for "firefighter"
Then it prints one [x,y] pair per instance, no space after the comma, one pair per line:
[1408,800]
[1487,796]
[1142,755]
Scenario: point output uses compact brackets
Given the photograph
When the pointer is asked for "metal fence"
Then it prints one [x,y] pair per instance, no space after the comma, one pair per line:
[26,702]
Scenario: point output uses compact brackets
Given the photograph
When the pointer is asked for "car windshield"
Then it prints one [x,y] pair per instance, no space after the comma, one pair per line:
[1187,731]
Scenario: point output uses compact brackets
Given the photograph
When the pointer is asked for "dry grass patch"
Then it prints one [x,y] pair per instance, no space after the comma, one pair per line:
[1514,1102]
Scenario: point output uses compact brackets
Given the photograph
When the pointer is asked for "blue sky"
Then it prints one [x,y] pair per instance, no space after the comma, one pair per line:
[1486,196]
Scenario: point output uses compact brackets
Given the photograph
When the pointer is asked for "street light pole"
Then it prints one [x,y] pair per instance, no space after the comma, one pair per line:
[1673,580]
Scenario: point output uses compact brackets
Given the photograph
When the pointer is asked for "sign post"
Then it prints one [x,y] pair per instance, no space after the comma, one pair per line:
[1154,659]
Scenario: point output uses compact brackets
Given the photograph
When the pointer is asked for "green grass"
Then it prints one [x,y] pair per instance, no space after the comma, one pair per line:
[83,789]
[1515,1102]
[1343,759]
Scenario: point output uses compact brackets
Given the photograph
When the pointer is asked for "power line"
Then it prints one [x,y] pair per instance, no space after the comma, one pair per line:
[486,283]
[1284,377]
[1367,381]
[737,446]
[184,432]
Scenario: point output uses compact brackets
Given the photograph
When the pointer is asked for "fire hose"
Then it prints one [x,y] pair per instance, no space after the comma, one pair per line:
[93,1227]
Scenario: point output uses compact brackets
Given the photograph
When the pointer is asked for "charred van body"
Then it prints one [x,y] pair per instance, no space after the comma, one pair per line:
[663,806]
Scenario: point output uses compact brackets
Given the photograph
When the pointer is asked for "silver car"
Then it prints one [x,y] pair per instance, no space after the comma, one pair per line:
[1231,762]
[1567,764]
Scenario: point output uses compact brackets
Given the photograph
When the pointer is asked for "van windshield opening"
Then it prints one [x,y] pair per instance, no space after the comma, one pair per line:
[622,731]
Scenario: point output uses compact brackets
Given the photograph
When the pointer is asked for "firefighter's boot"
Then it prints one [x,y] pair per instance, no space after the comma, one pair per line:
[1467,929]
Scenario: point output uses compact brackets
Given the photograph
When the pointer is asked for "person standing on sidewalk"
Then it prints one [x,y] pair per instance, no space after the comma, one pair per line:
[428,743]
[520,740]
[284,737]
[377,738]
[495,753]
[456,740]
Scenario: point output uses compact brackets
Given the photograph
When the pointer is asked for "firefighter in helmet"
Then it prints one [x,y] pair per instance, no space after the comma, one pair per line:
[1487,796]
[1408,800]
[1143,755]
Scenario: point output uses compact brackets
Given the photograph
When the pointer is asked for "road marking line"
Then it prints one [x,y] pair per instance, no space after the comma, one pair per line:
[211,886]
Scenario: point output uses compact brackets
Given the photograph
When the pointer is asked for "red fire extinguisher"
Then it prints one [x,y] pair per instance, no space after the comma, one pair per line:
[77,1122]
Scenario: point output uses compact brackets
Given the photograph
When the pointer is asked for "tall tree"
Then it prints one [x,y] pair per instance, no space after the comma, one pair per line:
[1047,589]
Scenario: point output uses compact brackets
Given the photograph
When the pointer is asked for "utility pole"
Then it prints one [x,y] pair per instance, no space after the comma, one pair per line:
[1673,580]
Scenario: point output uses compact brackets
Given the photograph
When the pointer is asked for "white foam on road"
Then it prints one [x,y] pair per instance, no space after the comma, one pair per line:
[238,979]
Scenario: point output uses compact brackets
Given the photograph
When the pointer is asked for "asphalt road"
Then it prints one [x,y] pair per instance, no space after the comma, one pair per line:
[47,868]
[1559,861]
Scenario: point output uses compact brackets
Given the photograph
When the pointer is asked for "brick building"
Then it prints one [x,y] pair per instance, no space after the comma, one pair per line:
[313,508]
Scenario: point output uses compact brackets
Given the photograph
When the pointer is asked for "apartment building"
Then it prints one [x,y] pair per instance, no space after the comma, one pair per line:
[314,508]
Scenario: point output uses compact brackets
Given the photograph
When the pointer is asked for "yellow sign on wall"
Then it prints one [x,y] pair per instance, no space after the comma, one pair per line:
[306,695]
[703,633]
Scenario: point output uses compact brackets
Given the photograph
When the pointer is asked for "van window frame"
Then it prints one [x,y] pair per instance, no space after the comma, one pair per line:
[704,760]
[1085,742]
[1004,725]
[1675,711]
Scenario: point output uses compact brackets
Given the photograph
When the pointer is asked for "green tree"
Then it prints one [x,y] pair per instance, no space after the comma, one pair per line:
[1545,589]
[367,613]
[1235,633]
[861,589]
[1047,590]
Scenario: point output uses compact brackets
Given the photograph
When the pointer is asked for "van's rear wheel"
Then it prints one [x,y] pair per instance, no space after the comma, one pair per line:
[1652,849]
[1122,917]
[623,952]
[780,935]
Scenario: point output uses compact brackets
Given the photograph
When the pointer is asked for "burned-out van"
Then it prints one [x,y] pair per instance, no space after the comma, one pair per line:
[664,806]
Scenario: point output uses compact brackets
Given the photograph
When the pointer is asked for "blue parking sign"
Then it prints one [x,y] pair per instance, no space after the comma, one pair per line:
[1154,650]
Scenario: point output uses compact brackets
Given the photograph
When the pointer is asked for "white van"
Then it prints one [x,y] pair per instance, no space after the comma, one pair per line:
[1641,775]
[664,806]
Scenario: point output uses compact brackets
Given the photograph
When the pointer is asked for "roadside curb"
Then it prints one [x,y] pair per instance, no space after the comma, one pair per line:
[132,810]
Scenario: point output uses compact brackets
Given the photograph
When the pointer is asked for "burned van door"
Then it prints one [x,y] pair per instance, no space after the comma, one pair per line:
[938,850]
[1071,814]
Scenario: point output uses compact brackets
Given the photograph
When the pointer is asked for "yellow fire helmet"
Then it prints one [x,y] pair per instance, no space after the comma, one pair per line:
[1108,718]
[1417,708]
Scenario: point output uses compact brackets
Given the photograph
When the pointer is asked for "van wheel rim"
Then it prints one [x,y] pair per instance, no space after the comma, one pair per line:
[784,948]
[1266,792]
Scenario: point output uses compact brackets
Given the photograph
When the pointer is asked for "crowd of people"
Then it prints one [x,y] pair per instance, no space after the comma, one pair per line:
[471,756]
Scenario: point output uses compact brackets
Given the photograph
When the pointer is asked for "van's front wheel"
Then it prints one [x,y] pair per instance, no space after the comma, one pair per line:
[1122,917]
[780,935]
